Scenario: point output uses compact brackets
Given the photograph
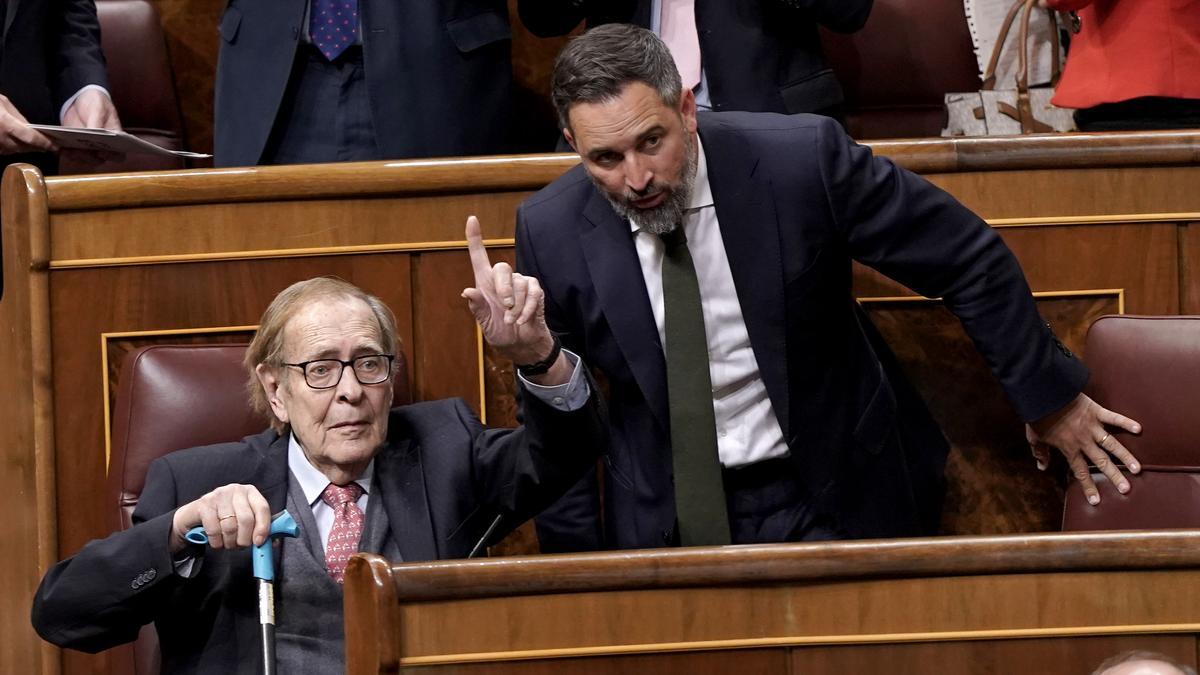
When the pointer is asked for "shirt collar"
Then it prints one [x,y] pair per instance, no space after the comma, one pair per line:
[701,190]
[311,480]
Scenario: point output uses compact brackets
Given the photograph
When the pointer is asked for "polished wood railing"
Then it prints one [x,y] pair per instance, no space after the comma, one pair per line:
[873,606]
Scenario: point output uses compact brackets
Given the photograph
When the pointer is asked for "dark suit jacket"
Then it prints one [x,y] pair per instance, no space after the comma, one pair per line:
[443,479]
[49,49]
[796,201]
[439,74]
[758,55]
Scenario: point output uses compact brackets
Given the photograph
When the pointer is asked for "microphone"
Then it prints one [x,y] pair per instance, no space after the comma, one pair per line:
[486,535]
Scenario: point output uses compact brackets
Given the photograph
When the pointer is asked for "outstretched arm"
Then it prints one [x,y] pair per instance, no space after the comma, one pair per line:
[918,235]
[510,310]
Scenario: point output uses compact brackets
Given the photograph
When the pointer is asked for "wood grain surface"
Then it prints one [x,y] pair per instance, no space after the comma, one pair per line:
[1070,598]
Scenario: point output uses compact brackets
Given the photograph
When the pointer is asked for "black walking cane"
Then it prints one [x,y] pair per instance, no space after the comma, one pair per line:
[282,525]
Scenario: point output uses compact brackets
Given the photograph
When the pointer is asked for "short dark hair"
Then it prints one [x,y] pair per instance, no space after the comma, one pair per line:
[1142,655]
[597,66]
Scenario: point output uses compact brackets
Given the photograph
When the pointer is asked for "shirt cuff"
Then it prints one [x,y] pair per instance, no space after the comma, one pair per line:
[188,567]
[563,397]
[67,106]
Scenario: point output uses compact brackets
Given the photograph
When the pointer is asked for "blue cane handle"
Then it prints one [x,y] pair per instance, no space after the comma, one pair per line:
[283,525]
[197,535]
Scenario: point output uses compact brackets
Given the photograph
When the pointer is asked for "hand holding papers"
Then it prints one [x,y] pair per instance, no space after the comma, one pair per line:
[103,140]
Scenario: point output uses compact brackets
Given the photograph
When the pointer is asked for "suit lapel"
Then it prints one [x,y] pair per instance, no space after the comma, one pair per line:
[402,487]
[271,475]
[621,289]
[750,229]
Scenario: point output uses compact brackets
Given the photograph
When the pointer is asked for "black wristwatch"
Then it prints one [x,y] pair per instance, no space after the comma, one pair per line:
[542,366]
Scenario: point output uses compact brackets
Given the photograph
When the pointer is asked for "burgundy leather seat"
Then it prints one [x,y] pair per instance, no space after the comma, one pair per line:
[171,397]
[141,84]
[1147,368]
[898,68]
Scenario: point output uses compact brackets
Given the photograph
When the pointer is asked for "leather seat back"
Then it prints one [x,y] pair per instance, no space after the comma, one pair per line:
[898,68]
[1146,368]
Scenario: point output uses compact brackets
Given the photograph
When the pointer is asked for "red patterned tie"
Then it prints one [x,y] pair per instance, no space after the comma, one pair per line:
[347,527]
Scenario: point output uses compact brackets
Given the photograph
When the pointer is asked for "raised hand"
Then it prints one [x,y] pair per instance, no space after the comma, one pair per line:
[509,307]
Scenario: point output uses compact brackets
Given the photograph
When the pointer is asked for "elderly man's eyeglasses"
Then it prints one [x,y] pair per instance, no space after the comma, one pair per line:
[327,373]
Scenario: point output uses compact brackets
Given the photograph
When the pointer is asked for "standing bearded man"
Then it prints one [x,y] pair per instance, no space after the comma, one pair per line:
[702,262]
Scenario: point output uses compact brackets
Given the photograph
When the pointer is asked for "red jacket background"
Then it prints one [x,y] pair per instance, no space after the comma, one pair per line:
[1129,49]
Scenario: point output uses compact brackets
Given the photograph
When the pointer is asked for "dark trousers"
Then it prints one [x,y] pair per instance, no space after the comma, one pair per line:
[326,112]
[1139,114]
[767,504]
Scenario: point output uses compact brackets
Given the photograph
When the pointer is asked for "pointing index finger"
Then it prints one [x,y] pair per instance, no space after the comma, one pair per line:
[479,257]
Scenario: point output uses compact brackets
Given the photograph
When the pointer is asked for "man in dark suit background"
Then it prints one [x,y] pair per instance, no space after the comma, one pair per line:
[401,78]
[750,399]
[755,55]
[421,482]
[51,72]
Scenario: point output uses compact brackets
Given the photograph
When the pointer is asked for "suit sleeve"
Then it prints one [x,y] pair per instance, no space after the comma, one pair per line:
[522,471]
[900,224]
[102,595]
[573,522]
[77,58]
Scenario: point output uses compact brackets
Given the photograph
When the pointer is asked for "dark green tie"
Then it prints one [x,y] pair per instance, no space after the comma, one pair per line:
[699,492]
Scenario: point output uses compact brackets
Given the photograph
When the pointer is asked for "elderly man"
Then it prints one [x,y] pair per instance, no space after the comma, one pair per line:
[1140,662]
[419,482]
[702,262]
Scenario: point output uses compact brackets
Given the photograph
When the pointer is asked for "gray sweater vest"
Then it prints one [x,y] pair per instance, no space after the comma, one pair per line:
[309,635]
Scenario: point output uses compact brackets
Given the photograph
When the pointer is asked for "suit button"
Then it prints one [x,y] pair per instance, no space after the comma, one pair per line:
[150,574]
[1063,348]
[666,536]
[135,585]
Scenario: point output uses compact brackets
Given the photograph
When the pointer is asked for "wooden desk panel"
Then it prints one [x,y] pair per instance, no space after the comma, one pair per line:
[834,607]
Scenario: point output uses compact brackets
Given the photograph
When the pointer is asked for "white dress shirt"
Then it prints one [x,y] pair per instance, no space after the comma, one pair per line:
[701,88]
[313,482]
[747,429]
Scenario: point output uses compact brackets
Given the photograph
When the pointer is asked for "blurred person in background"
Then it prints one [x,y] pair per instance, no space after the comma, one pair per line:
[1135,64]
[51,72]
[1140,662]
[308,81]
[756,56]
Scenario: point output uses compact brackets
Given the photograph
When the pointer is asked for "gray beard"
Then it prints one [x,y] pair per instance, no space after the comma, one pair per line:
[668,215]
